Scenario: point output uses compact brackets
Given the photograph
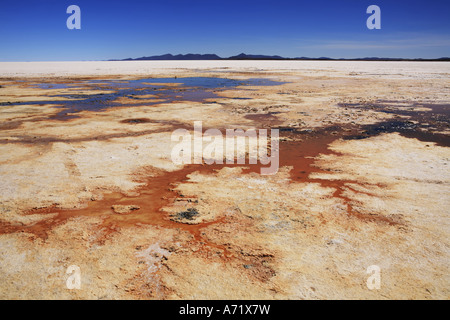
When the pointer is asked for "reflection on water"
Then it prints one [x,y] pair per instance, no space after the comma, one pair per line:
[148,91]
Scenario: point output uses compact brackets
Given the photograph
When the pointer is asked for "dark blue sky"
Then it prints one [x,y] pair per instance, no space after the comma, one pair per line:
[36,30]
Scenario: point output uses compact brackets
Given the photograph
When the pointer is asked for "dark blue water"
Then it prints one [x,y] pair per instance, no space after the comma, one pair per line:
[199,82]
[189,89]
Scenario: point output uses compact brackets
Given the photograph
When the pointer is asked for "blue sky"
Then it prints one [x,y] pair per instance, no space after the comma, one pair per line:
[34,30]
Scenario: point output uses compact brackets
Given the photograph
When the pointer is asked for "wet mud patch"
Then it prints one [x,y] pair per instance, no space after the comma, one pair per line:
[136,120]
[9,125]
[425,122]
[264,119]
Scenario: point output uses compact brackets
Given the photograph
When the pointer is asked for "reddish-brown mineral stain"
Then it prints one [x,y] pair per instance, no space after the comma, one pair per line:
[159,193]
[301,156]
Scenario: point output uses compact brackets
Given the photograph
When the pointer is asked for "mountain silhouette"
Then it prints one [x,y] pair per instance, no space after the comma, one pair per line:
[244,56]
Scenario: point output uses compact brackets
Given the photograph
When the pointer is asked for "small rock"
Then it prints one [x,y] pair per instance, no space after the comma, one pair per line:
[188,214]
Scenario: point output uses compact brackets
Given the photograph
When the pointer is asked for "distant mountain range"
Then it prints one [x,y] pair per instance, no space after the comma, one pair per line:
[243,56]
